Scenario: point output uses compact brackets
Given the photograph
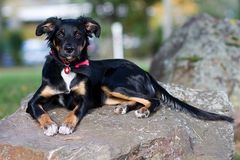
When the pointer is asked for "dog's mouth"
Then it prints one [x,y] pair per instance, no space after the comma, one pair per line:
[67,60]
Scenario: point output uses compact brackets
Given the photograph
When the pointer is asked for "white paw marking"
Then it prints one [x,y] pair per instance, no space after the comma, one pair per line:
[121,109]
[51,130]
[145,114]
[65,129]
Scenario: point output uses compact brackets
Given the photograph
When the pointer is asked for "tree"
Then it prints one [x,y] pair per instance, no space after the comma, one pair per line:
[132,14]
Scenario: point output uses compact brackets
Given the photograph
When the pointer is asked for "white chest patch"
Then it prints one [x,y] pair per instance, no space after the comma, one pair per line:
[68,78]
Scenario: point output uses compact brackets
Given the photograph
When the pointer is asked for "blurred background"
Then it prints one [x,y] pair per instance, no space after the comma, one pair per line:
[139,28]
[134,30]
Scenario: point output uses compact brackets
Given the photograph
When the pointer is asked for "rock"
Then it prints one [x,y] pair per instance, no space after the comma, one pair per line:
[203,54]
[103,135]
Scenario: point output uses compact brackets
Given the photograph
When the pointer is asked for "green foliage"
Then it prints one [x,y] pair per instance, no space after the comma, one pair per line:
[157,39]
[11,42]
[16,40]
[136,20]
[15,84]
[1,48]
[150,45]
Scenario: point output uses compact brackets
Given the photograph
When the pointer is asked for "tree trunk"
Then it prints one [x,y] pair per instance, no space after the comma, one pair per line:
[167,19]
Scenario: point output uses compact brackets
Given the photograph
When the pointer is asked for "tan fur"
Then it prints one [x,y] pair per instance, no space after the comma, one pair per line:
[44,120]
[48,92]
[50,26]
[89,26]
[113,101]
[109,93]
[116,101]
[71,119]
[80,88]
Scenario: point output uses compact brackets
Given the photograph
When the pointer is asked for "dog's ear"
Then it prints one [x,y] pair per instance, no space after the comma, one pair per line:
[91,26]
[48,26]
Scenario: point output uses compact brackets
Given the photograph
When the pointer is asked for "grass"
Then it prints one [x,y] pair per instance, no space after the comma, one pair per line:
[15,84]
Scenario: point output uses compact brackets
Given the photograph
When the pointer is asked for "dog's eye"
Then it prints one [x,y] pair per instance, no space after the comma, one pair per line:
[77,35]
[60,34]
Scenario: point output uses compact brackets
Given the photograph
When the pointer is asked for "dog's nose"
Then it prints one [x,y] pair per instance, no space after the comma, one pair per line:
[68,48]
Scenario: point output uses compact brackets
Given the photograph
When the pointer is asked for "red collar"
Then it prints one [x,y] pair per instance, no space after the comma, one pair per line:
[83,63]
[78,65]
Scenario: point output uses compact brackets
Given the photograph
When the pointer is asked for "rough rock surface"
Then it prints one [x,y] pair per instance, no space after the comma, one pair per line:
[102,135]
[203,54]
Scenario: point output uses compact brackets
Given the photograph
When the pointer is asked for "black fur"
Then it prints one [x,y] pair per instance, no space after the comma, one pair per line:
[69,38]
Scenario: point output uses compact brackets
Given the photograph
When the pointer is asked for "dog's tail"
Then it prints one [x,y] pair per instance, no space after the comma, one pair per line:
[177,104]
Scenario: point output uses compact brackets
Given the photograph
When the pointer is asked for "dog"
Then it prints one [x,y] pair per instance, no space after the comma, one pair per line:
[79,84]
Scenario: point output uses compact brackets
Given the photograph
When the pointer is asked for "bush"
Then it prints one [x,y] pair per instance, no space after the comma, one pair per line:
[15,41]
[11,42]
[149,45]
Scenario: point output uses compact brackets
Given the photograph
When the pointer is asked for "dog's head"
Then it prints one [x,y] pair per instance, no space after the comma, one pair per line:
[69,37]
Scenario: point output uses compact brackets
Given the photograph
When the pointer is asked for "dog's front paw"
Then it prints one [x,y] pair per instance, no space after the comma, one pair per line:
[65,129]
[50,129]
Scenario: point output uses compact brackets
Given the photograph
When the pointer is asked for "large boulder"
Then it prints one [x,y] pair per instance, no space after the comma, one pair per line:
[204,54]
[102,135]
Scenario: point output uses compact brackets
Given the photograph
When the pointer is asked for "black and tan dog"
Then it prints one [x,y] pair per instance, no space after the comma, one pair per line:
[81,84]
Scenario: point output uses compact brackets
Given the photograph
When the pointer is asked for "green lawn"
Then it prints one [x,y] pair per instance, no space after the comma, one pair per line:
[15,84]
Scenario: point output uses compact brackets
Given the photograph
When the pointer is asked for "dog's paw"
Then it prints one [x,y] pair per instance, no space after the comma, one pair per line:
[65,129]
[51,129]
[142,113]
[121,109]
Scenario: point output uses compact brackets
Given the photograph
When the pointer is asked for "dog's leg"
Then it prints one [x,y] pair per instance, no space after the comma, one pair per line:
[124,107]
[143,112]
[70,122]
[149,106]
[121,106]
[35,109]
[75,116]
